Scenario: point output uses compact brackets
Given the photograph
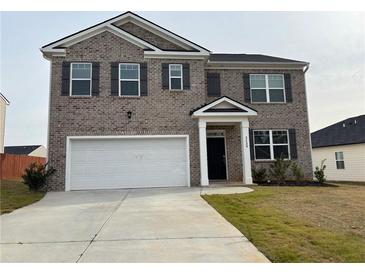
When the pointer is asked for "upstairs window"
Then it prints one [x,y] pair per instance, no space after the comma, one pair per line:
[129,79]
[340,162]
[271,144]
[80,84]
[175,77]
[267,88]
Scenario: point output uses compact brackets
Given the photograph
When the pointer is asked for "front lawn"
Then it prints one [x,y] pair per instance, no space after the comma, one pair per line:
[14,195]
[300,224]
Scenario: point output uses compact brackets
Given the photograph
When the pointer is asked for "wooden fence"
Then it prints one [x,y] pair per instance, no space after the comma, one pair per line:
[12,166]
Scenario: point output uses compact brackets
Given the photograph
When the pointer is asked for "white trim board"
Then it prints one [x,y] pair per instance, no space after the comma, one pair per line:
[109,25]
[200,112]
[110,137]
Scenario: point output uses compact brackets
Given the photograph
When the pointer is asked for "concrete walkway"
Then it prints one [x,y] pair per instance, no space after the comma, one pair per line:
[139,225]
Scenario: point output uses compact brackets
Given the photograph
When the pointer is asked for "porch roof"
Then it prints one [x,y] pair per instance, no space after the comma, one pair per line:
[223,106]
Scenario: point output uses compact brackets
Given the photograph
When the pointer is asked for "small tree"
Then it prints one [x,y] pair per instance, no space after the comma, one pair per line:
[319,172]
[279,169]
[259,174]
[297,171]
[36,176]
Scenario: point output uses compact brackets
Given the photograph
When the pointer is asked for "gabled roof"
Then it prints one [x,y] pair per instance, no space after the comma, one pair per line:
[223,106]
[4,98]
[349,131]
[249,58]
[20,150]
[111,25]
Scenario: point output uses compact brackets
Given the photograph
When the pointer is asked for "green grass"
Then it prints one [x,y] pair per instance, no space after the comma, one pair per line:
[298,224]
[15,195]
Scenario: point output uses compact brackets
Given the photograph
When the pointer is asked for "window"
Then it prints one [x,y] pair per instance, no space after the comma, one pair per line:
[340,163]
[129,79]
[271,144]
[267,88]
[80,83]
[175,77]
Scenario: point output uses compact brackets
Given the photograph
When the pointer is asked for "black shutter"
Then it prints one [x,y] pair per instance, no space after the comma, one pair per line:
[250,132]
[246,87]
[114,79]
[65,88]
[288,89]
[186,76]
[95,85]
[165,76]
[214,84]
[143,79]
[293,143]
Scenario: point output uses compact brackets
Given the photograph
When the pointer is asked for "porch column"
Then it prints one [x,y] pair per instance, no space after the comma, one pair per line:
[246,155]
[203,153]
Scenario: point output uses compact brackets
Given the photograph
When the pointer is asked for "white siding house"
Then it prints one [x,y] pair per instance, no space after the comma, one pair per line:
[3,103]
[352,167]
[343,147]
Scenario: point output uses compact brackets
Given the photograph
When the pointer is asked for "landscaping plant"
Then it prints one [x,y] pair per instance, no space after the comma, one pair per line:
[36,176]
[259,174]
[279,169]
[319,172]
[297,172]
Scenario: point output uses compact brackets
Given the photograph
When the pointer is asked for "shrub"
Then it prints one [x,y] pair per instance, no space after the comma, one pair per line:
[297,171]
[36,176]
[319,172]
[279,169]
[259,174]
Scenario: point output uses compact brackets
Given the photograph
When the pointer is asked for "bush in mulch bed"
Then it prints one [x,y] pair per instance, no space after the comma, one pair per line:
[294,183]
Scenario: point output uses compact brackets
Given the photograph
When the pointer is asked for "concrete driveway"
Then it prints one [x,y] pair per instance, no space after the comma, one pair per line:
[139,225]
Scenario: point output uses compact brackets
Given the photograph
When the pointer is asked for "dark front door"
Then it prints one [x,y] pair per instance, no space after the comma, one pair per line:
[216,159]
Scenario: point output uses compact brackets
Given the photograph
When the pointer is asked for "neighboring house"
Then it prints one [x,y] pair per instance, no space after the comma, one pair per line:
[35,151]
[343,146]
[135,105]
[3,103]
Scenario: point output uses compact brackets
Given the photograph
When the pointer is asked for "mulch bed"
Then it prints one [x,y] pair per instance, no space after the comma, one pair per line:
[294,183]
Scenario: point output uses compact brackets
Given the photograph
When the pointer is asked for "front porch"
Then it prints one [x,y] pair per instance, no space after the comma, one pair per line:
[224,143]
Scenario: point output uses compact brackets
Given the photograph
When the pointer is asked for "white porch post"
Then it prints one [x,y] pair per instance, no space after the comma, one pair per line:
[203,153]
[246,155]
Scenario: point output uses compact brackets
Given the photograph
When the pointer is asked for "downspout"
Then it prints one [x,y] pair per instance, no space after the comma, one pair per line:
[306,68]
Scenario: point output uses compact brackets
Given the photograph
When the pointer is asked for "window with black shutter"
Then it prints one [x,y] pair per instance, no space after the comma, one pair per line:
[81,78]
[213,84]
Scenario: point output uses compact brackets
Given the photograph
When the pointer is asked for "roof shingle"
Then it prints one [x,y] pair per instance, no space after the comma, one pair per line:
[233,57]
[349,131]
[20,150]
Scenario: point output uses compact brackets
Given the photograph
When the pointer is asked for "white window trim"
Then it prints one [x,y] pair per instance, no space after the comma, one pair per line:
[271,144]
[176,77]
[129,80]
[83,79]
[267,88]
[337,160]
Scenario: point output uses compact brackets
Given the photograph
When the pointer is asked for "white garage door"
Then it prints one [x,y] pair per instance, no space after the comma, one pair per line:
[131,162]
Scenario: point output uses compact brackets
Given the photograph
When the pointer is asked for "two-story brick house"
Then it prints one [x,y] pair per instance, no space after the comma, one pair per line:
[135,105]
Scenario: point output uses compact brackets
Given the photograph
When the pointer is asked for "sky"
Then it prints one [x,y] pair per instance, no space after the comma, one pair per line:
[333,43]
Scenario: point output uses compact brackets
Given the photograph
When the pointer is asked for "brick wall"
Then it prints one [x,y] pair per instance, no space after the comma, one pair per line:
[149,37]
[162,111]
[274,116]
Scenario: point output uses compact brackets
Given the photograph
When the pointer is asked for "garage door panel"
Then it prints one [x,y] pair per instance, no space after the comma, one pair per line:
[128,163]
